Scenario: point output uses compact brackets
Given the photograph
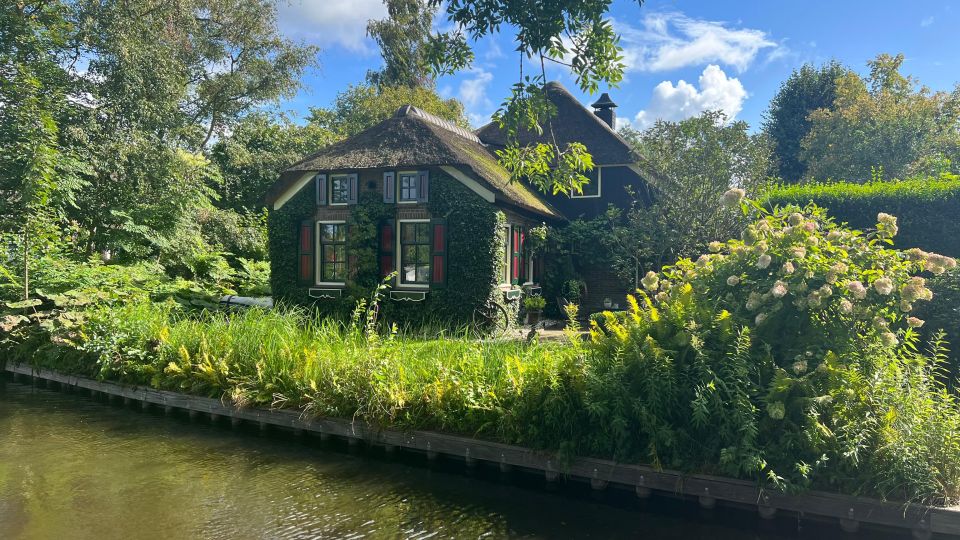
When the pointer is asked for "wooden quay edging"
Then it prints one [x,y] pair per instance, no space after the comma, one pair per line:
[849,511]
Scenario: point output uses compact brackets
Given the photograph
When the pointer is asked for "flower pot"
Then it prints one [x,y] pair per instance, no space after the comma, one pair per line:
[533,317]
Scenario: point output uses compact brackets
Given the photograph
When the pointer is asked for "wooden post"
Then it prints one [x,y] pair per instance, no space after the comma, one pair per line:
[706,500]
[597,483]
[849,524]
[641,488]
[550,474]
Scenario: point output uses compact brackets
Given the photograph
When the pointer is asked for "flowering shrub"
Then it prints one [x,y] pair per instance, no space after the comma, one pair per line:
[784,356]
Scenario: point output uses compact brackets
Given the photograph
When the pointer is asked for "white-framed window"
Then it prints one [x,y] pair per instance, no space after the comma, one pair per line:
[340,189]
[593,189]
[413,249]
[409,186]
[331,252]
[507,255]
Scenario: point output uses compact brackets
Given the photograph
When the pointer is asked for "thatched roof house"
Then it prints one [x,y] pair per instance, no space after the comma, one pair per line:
[425,202]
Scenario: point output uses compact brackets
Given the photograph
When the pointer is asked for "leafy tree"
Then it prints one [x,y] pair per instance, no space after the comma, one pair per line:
[162,80]
[572,33]
[360,107]
[403,38]
[787,120]
[885,122]
[36,180]
[695,161]
[258,149]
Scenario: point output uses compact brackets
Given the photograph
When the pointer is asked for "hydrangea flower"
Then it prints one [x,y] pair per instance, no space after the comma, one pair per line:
[714,247]
[733,197]
[760,319]
[650,281]
[857,289]
[795,219]
[889,339]
[846,307]
[733,281]
[788,267]
[776,410]
[883,286]
[764,261]
[914,322]
[779,289]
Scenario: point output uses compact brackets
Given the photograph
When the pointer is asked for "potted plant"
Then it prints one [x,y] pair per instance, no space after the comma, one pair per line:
[534,305]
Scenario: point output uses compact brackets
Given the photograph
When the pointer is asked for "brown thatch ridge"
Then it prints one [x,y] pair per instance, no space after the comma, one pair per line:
[572,123]
[413,138]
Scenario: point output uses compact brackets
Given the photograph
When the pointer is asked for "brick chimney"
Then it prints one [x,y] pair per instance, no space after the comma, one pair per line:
[604,109]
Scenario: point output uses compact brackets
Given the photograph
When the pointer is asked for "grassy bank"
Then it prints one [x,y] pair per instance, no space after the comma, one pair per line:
[789,357]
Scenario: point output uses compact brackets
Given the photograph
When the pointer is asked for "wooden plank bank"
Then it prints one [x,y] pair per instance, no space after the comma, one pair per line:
[849,512]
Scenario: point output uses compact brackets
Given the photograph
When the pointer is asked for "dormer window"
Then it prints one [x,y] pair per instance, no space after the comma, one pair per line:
[409,186]
[340,189]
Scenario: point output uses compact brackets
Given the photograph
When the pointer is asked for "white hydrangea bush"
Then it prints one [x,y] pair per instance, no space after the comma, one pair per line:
[803,282]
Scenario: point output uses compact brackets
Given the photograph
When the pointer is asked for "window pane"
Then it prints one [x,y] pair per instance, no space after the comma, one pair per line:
[407,233]
[408,254]
[340,189]
[409,273]
[423,233]
[423,254]
[327,274]
[408,188]
[423,273]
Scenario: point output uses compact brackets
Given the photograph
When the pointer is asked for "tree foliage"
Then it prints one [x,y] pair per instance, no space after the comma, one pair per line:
[695,161]
[787,121]
[129,94]
[362,106]
[886,123]
[403,38]
[571,33]
[258,149]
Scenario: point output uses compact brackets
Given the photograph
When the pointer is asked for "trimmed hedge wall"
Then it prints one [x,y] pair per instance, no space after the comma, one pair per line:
[927,209]
[474,249]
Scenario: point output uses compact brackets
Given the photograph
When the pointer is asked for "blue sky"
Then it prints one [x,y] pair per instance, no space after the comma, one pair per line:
[683,56]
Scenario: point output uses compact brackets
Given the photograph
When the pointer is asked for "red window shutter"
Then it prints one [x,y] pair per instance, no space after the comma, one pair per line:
[306,253]
[438,266]
[386,249]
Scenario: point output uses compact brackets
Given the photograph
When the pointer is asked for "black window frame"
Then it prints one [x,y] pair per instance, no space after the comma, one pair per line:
[334,191]
[339,246]
[423,250]
[413,188]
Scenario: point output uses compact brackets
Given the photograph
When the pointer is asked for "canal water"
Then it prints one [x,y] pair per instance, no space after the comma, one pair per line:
[75,468]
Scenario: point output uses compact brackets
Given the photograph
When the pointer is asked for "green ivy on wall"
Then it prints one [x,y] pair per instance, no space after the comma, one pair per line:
[474,252]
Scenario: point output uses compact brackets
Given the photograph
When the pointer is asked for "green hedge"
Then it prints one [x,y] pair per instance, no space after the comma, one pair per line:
[927,209]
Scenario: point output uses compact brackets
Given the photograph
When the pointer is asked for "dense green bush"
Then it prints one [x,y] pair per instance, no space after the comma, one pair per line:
[927,208]
[790,355]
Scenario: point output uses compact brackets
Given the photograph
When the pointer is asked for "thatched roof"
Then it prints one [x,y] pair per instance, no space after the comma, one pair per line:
[573,123]
[412,138]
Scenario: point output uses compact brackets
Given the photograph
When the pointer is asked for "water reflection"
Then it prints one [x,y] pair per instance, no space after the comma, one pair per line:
[74,468]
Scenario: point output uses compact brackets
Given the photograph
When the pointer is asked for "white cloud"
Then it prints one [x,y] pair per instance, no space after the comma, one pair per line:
[668,41]
[927,21]
[717,91]
[331,22]
[473,91]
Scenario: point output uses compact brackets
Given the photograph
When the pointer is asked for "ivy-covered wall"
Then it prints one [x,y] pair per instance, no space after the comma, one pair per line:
[474,253]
